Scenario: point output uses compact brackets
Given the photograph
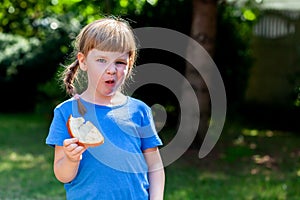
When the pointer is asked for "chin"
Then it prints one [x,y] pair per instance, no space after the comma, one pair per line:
[110,94]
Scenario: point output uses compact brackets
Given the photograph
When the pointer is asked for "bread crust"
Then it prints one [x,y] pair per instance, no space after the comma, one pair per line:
[74,132]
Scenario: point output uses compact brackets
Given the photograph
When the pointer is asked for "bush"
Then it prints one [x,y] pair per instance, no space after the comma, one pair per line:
[26,63]
[234,57]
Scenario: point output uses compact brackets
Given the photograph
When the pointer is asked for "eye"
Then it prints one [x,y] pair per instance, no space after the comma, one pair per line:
[121,63]
[101,60]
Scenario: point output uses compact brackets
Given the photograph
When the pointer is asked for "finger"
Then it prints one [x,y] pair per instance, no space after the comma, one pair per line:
[72,147]
[79,150]
[67,142]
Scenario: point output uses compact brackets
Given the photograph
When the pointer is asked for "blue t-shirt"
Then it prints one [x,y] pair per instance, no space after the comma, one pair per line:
[116,169]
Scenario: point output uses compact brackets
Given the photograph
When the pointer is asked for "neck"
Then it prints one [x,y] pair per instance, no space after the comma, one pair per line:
[116,99]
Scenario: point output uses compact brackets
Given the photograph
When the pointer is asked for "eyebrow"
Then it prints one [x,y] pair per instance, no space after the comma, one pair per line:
[124,56]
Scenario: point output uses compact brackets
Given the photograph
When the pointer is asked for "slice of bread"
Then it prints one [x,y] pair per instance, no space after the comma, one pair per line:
[86,132]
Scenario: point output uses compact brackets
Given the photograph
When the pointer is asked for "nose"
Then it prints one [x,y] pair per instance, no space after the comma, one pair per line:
[111,70]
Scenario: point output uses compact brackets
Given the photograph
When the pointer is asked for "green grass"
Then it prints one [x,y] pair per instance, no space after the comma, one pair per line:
[25,161]
[245,164]
[264,165]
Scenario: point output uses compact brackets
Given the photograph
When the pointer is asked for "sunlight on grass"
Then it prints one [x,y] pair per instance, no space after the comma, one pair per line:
[27,176]
[260,133]
[180,194]
[12,160]
[212,176]
[25,161]
[251,164]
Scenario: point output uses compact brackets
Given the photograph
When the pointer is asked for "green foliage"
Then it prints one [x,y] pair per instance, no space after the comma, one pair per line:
[295,81]
[36,38]
[25,63]
[234,57]
[297,99]
[15,51]
[49,95]
[40,34]
[17,16]
[33,18]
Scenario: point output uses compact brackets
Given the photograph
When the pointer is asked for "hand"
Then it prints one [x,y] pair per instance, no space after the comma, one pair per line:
[72,150]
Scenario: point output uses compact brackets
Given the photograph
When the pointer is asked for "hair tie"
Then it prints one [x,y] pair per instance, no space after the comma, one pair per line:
[76,96]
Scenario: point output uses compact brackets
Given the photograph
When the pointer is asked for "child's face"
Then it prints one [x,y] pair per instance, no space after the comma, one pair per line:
[106,70]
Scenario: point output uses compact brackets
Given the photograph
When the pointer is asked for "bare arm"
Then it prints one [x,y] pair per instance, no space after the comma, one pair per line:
[67,159]
[156,173]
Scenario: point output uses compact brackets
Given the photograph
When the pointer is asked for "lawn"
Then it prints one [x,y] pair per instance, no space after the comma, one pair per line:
[246,164]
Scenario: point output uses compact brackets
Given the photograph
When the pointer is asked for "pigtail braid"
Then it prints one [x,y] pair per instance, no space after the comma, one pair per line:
[81,108]
[69,77]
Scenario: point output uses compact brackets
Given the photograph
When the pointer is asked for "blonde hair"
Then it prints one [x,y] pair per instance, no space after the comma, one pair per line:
[107,34]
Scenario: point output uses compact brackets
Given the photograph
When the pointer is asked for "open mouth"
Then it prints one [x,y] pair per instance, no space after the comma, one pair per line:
[110,81]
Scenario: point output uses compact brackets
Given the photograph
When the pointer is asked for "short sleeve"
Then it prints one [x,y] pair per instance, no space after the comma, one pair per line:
[58,131]
[147,132]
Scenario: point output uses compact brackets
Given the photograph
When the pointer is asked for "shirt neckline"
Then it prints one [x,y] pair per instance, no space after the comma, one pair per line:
[106,106]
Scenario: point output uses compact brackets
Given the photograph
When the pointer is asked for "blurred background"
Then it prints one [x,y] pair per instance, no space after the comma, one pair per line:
[255,45]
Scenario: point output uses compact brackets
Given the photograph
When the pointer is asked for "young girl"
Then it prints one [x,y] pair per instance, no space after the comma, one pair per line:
[128,165]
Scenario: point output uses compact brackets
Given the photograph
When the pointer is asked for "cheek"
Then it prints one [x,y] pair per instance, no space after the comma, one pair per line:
[125,71]
[99,70]
[96,72]
[122,74]
[94,76]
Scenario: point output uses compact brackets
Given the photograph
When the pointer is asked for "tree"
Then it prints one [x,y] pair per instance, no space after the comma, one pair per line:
[225,31]
[54,23]
[203,30]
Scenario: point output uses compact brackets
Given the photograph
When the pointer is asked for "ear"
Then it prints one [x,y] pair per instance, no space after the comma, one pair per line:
[82,61]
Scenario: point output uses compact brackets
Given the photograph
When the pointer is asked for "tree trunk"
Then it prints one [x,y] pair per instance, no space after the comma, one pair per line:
[203,30]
